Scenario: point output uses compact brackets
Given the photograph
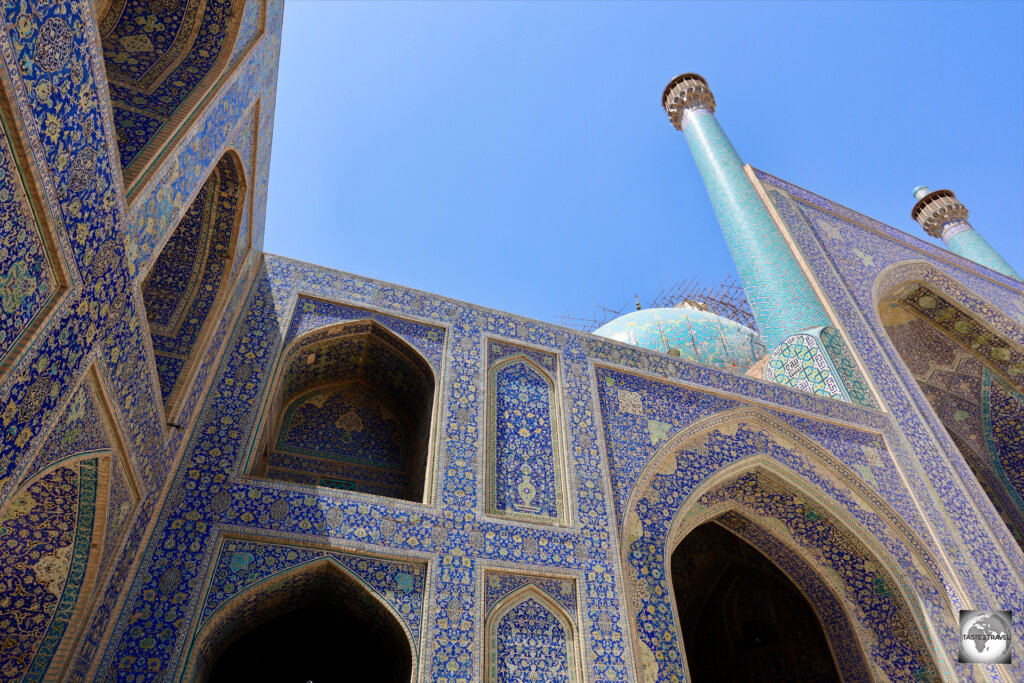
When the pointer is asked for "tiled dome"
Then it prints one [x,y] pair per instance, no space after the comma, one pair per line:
[699,336]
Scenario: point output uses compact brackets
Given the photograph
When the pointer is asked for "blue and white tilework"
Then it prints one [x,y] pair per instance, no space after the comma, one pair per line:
[525,472]
[869,500]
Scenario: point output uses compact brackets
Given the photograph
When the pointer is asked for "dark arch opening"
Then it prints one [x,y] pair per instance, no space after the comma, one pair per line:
[321,625]
[353,411]
[741,617]
[185,290]
[973,378]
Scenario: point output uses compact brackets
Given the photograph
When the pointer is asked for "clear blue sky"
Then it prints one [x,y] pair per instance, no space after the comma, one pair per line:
[515,154]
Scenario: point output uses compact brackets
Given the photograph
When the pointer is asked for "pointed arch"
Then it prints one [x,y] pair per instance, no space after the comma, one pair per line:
[54,526]
[526,461]
[85,445]
[320,581]
[739,593]
[187,286]
[894,282]
[165,61]
[547,634]
[967,358]
[344,393]
[682,487]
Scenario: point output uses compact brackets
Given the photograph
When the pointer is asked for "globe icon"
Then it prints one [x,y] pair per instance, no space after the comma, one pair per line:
[985,638]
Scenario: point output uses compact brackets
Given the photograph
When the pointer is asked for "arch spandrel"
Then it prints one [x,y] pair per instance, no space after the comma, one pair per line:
[34,272]
[672,496]
[312,315]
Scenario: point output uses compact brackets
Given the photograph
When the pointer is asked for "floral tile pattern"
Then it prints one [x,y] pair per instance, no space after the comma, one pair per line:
[869,500]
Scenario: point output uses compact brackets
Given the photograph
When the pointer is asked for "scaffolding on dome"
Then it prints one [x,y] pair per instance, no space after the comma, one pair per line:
[727,300]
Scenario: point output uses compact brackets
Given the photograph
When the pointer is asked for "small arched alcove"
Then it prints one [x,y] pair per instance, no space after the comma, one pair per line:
[741,617]
[970,372]
[312,623]
[352,410]
[531,638]
[186,288]
[525,468]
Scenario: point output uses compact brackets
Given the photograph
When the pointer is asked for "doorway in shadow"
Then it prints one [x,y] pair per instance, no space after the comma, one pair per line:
[741,617]
[322,626]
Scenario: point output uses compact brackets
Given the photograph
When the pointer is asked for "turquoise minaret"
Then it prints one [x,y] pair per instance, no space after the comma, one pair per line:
[941,214]
[780,295]
[804,350]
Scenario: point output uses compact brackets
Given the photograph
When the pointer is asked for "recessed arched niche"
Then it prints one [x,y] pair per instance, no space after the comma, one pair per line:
[164,59]
[529,636]
[63,526]
[303,624]
[186,288]
[351,410]
[787,501]
[525,463]
[972,375]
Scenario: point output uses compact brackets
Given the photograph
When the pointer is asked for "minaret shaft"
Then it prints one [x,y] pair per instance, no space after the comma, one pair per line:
[941,214]
[970,244]
[780,295]
[805,350]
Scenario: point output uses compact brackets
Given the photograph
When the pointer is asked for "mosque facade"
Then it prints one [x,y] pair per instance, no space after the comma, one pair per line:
[201,441]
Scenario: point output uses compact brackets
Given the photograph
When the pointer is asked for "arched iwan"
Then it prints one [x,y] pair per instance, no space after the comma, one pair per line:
[61,528]
[53,530]
[807,501]
[968,361]
[164,59]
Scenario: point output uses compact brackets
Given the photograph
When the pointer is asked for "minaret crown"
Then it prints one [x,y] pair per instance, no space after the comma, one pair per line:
[935,210]
[684,92]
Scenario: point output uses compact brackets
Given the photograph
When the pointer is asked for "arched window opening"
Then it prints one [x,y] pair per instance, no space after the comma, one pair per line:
[353,412]
[741,617]
[973,378]
[525,469]
[186,288]
[162,57]
[282,630]
[529,638]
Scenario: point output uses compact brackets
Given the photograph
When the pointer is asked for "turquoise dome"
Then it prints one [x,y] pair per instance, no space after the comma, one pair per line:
[699,336]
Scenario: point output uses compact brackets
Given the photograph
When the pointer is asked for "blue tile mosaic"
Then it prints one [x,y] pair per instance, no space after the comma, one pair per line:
[524,450]
[870,506]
